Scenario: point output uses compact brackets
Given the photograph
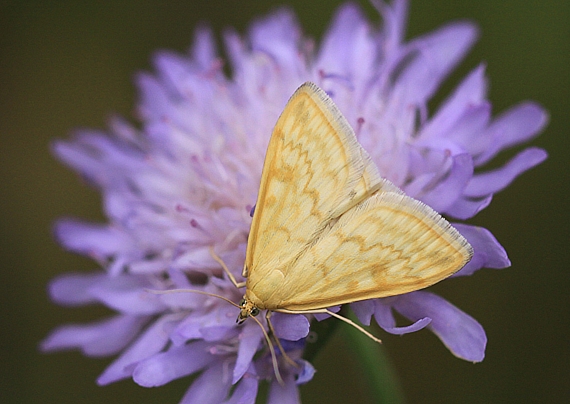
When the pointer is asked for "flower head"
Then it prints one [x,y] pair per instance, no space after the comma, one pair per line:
[188,179]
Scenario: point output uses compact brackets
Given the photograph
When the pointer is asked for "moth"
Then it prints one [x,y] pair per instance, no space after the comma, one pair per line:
[327,229]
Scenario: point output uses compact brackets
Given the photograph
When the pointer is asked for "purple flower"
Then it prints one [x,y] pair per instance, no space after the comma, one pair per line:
[187,181]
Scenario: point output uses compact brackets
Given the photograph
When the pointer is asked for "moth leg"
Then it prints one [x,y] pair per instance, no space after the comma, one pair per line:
[272,351]
[272,333]
[226,270]
[342,318]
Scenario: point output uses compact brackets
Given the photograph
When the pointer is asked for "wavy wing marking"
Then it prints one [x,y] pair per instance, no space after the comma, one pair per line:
[314,171]
[387,245]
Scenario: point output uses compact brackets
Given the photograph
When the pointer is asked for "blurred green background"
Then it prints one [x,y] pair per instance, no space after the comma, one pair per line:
[70,64]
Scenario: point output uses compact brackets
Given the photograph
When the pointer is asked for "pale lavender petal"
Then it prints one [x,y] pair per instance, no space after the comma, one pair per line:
[459,332]
[173,71]
[277,36]
[149,343]
[96,240]
[173,364]
[324,316]
[153,99]
[204,47]
[72,289]
[465,134]
[212,325]
[416,326]
[249,340]
[75,156]
[211,387]
[517,125]
[142,267]
[306,373]
[383,313]
[496,180]
[102,338]
[363,310]
[217,333]
[181,297]
[470,92]
[395,19]
[286,394]
[348,49]
[245,391]
[197,258]
[434,55]
[127,294]
[385,319]
[446,192]
[292,327]
[465,208]
[488,253]
[99,158]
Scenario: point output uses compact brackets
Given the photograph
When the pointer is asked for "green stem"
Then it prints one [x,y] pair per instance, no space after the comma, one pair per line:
[381,376]
[324,330]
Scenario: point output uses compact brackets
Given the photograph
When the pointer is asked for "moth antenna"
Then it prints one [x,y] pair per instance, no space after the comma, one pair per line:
[200,292]
[217,258]
[352,323]
[272,350]
[272,331]
[269,343]
[346,320]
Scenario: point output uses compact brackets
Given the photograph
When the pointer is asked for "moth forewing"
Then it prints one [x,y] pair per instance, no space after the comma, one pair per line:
[314,171]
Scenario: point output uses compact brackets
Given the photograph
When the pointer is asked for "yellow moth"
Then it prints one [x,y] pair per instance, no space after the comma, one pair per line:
[328,230]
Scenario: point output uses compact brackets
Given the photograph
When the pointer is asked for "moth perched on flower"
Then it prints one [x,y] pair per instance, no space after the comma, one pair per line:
[187,181]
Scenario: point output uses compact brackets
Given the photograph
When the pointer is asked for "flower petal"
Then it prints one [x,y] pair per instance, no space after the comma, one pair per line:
[348,50]
[127,294]
[291,327]
[245,391]
[487,252]
[277,35]
[96,240]
[72,289]
[286,394]
[459,332]
[177,362]
[465,134]
[212,325]
[204,47]
[446,192]
[469,94]
[383,313]
[363,310]
[465,208]
[517,125]
[324,316]
[101,159]
[385,319]
[211,387]
[150,342]
[395,18]
[496,180]
[306,373]
[432,57]
[249,340]
[416,326]
[103,338]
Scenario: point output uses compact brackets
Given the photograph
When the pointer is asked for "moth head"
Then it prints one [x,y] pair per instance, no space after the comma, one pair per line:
[247,309]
